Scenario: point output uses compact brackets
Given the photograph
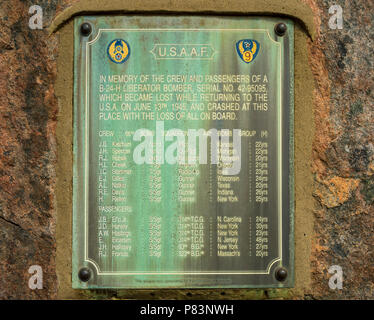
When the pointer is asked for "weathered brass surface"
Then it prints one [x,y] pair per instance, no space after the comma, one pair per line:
[160,224]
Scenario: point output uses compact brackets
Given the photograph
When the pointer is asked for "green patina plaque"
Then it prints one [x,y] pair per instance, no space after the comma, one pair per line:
[183,152]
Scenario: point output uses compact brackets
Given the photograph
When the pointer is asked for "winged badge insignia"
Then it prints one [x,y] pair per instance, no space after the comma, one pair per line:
[247,49]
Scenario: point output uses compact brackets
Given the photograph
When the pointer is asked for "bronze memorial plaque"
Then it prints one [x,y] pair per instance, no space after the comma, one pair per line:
[183,152]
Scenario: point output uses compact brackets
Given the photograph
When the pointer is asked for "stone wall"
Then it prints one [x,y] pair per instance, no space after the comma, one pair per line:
[342,157]
[343,151]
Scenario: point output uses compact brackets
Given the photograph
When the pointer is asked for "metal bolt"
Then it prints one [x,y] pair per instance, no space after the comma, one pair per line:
[281,274]
[84,274]
[86,29]
[280,29]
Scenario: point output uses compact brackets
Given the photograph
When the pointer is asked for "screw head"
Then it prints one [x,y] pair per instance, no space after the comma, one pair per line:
[281,274]
[84,274]
[86,29]
[280,29]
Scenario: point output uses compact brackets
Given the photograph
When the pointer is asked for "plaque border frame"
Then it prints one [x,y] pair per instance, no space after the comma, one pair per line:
[280,163]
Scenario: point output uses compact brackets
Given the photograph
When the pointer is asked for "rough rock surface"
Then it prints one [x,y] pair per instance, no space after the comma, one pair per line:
[343,151]
[28,110]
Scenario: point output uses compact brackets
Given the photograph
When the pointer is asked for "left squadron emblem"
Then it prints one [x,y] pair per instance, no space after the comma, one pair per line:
[118,51]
